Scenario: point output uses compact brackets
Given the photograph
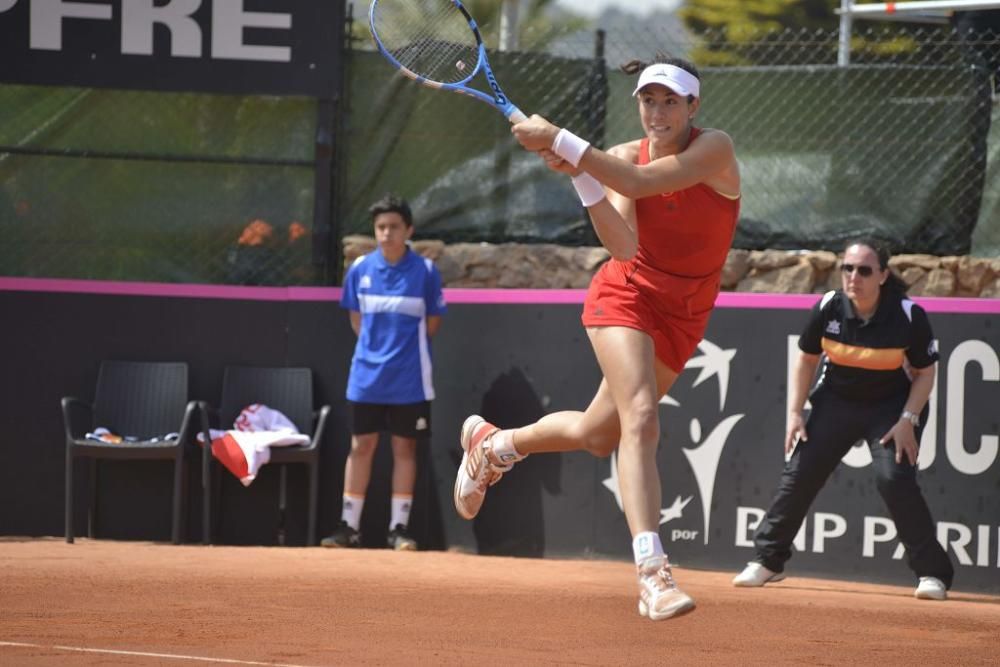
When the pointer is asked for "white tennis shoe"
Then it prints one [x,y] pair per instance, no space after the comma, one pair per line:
[931,588]
[659,597]
[476,472]
[755,575]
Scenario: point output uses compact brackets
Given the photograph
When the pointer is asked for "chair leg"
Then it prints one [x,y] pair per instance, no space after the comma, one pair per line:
[206,503]
[178,502]
[92,507]
[313,502]
[282,504]
[69,494]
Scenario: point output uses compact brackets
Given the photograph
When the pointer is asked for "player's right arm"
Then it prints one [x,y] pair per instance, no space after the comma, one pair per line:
[613,218]
[355,322]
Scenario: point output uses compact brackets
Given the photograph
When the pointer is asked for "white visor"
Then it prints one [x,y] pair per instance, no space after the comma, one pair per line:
[676,79]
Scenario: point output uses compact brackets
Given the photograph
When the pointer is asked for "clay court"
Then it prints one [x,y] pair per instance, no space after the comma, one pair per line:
[137,603]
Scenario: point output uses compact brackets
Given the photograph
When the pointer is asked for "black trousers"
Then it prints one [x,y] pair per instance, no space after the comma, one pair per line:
[834,425]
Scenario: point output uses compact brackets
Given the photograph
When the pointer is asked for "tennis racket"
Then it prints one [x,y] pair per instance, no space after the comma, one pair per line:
[437,43]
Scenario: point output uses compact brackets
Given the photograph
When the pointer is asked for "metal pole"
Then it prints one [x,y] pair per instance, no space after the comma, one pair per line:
[508,25]
[844,47]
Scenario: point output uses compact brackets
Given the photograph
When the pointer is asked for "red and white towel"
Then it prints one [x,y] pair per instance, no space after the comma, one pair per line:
[247,446]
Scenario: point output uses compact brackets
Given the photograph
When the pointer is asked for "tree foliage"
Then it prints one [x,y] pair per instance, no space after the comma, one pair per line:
[739,25]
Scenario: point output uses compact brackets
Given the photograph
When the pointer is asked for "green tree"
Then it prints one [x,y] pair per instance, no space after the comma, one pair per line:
[738,27]
[746,32]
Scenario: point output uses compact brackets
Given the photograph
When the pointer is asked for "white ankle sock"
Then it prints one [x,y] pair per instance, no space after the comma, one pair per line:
[351,513]
[646,545]
[400,510]
[502,444]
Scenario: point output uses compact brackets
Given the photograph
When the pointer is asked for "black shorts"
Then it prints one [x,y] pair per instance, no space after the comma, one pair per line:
[412,420]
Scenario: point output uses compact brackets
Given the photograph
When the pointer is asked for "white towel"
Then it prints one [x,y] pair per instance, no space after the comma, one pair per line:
[247,446]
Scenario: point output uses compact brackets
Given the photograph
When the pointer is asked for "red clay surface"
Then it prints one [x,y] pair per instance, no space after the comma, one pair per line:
[159,604]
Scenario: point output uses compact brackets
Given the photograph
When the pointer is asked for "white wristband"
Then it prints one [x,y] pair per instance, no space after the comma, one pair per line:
[569,147]
[589,188]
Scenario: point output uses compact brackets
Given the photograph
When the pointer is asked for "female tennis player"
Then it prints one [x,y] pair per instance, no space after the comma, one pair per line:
[665,206]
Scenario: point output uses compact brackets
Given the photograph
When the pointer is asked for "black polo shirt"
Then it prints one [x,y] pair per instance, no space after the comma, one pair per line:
[866,360]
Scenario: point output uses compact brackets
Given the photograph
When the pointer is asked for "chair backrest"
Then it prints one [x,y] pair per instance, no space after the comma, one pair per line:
[142,399]
[288,390]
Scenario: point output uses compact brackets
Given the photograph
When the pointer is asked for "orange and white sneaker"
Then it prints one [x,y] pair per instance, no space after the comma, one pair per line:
[659,597]
[476,472]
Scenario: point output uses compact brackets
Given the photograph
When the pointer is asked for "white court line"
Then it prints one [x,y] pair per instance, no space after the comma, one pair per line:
[143,654]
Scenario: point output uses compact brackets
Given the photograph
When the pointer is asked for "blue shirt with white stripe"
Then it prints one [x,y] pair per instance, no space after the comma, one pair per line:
[392,358]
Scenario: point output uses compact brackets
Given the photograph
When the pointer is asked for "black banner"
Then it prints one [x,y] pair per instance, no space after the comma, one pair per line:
[721,453]
[279,47]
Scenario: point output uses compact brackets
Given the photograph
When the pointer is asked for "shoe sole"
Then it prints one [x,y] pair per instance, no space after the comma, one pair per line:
[681,607]
[468,429]
[406,546]
[780,576]
[930,596]
[340,546]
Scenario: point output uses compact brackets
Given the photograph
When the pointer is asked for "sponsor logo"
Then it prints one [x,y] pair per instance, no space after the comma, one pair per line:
[704,457]
[365,282]
[498,95]
[833,327]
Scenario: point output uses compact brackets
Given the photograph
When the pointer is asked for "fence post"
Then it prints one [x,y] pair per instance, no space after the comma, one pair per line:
[844,45]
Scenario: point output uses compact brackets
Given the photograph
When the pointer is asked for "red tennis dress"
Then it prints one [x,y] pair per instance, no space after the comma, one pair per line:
[668,289]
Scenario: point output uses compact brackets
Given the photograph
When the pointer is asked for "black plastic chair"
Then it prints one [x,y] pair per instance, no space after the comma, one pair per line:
[146,400]
[290,391]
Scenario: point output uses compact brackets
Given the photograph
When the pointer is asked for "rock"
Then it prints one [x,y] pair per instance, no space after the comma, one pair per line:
[973,274]
[903,262]
[992,290]
[939,282]
[430,249]
[736,268]
[796,279]
[768,260]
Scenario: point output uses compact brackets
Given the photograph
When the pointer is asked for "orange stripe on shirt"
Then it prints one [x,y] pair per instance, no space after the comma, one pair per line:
[884,359]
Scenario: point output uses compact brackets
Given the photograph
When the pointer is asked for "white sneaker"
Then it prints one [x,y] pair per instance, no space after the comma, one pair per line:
[476,472]
[755,575]
[931,588]
[659,597]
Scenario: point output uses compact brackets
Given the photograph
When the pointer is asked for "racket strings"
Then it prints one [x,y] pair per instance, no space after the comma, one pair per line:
[431,38]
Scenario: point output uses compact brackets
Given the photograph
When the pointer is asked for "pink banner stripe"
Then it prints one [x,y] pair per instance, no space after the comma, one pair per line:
[232,292]
[453,295]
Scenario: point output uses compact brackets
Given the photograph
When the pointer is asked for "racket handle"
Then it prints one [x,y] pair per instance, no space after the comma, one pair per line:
[516,116]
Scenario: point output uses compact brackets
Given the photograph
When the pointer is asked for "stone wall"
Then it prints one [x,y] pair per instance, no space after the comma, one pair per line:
[513,265]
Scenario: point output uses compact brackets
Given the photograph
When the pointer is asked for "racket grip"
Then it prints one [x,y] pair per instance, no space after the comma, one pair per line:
[516,116]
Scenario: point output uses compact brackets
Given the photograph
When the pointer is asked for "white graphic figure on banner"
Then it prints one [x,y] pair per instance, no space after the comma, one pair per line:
[704,459]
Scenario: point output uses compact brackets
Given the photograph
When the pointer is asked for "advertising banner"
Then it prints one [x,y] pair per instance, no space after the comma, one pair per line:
[721,451]
[280,47]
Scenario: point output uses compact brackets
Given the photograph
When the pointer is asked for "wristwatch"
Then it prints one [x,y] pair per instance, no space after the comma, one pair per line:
[912,417]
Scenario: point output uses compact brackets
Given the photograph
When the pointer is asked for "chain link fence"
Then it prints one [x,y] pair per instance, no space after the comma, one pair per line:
[899,143]
[107,184]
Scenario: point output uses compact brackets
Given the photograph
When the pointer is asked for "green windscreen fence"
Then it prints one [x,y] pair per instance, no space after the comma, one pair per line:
[211,188]
[125,185]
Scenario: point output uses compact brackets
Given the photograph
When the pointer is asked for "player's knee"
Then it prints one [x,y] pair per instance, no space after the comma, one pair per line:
[601,447]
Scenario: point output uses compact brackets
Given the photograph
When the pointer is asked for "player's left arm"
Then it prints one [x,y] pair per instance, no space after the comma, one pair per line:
[355,321]
[708,156]
[433,324]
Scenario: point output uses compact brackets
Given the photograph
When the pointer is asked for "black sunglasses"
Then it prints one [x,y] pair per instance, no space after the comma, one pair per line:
[863,270]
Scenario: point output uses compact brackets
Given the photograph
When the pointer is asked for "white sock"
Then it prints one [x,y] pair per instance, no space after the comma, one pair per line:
[646,545]
[502,444]
[400,510]
[352,510]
